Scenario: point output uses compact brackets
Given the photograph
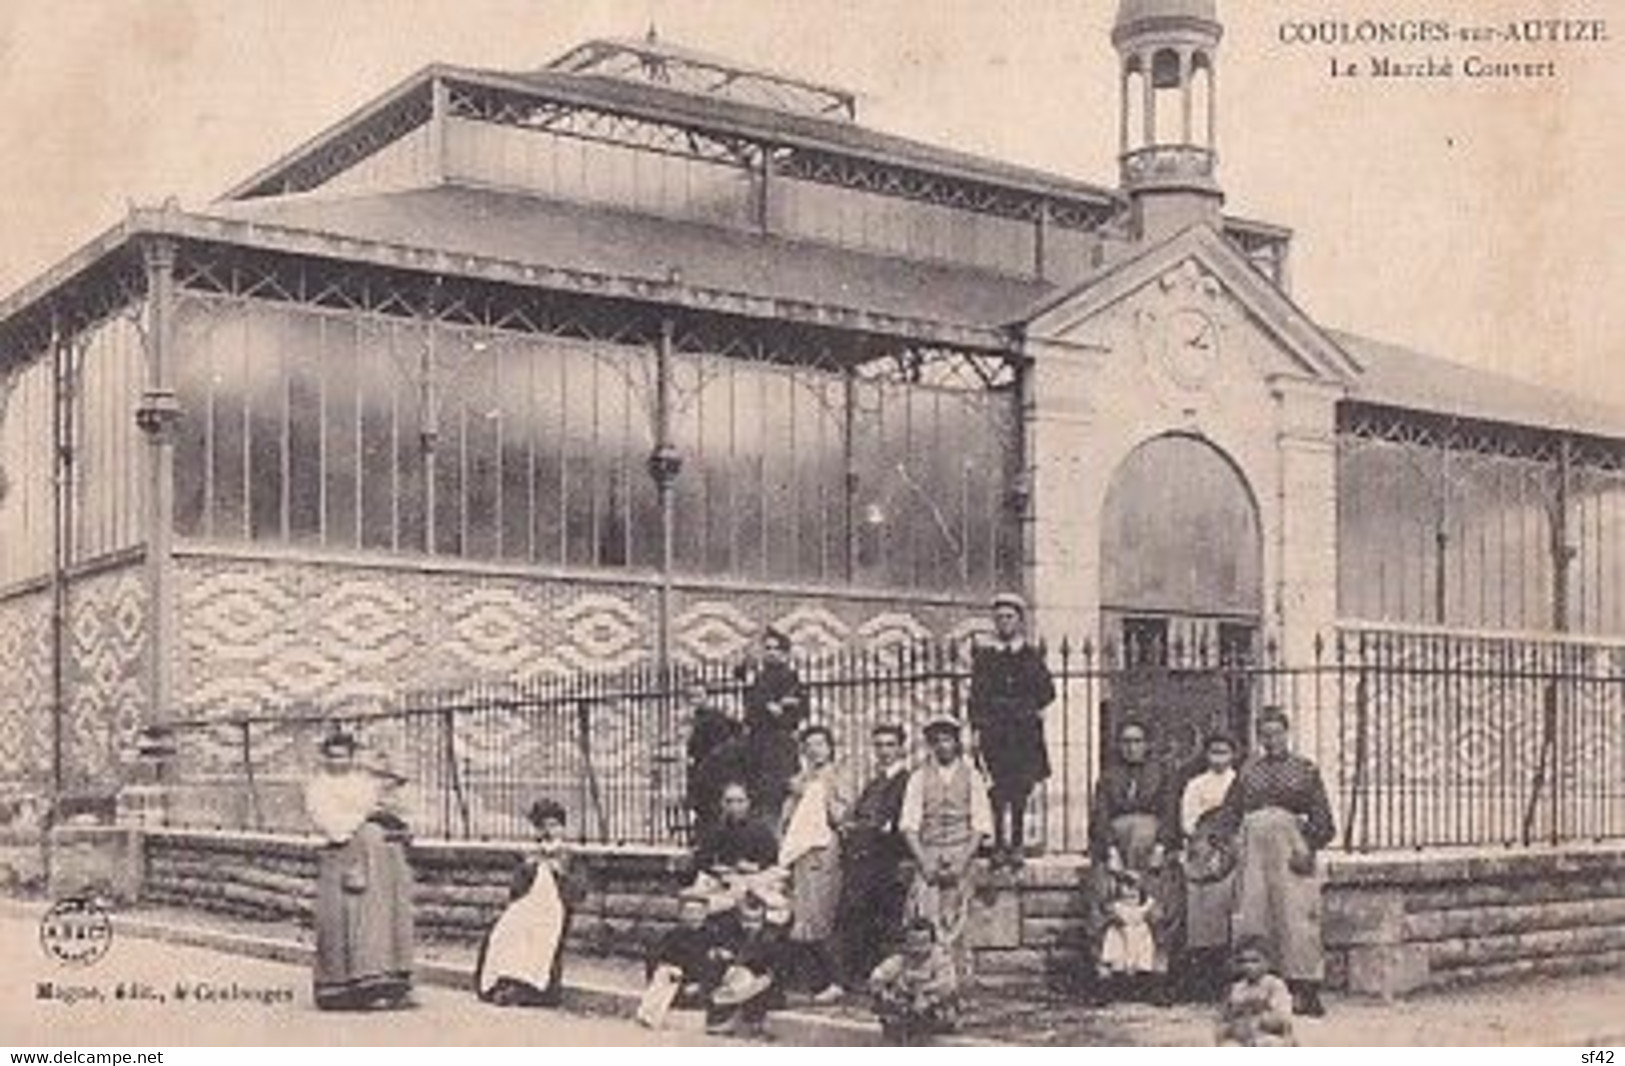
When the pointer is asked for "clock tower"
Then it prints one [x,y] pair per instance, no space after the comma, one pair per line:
[1169,112]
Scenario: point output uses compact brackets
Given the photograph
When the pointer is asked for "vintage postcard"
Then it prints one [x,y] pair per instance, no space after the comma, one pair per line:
[1063,522]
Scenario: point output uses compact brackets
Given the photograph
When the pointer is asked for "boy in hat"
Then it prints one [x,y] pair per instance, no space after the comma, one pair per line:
[753,954]
[685,965]
[1010,686]
[945,818]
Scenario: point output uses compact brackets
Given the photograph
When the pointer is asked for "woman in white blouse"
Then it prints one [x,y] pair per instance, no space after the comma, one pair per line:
[1209,867]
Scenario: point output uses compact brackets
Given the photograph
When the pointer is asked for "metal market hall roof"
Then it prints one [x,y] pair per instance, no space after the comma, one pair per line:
[446,225]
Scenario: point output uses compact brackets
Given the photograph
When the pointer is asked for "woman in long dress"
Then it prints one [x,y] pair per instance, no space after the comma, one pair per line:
[1280,816]
[363,914]
[1130,830]
[521,959]
[810,850]
[1207,857]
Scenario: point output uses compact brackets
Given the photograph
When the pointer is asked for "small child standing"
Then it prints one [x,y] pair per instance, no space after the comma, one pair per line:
[1129,948]
[916,991]
[1257,1009]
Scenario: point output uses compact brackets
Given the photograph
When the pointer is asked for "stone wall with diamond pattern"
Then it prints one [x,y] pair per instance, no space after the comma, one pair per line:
[257,636]
[108,642]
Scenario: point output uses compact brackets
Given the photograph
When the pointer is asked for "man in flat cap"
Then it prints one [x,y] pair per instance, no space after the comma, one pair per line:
[1009,688]
[945,818]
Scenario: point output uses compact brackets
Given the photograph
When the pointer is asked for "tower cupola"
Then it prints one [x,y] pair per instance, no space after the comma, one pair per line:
[1168,134]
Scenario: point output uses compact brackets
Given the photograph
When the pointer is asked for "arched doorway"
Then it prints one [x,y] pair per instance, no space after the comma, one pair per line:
[1182,592]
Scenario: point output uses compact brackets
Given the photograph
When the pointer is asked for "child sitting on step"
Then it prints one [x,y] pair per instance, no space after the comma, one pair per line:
[1257,1009]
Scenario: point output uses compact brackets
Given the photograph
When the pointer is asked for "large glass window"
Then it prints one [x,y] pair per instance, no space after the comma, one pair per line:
[1437,535]
[356,432]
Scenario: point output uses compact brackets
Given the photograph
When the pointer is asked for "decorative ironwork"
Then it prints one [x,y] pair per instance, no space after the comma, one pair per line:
[847,172]
[508,107]
[657,63]
[1399,426]
[1438,738]
[334,155]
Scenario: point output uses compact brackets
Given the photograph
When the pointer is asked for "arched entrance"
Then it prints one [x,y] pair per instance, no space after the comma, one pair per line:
[1181,592]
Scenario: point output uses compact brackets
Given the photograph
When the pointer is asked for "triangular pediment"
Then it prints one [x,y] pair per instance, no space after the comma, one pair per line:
[1197,271]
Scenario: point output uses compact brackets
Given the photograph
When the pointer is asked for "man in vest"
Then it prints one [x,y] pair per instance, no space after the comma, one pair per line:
[945,818]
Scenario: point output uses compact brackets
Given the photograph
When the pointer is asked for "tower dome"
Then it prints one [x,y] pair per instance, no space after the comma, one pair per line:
[1132,14]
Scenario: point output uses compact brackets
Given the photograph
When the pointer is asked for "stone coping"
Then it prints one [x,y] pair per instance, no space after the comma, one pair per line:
[1343,869]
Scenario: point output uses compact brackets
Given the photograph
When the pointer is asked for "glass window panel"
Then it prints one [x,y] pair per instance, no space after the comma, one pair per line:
[268,400]
[688,500]
[379,382]
[340,430]
[228,409]
[478,389]
[517,370]
[191,370]
[302,350]
[579,485]
[549,429]
[777,415]
[410,343]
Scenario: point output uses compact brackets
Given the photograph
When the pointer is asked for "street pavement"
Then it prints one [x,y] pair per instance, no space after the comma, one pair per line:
[273,1004]
[200,997]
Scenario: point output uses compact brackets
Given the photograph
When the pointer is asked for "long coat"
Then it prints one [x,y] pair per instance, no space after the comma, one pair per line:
[1010,686]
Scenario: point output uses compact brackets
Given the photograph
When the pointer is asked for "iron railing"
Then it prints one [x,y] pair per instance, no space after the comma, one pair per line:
[1424,739]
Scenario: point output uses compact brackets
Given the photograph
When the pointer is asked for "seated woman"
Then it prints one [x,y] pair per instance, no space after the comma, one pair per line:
[737,854]
[521,960]
[1131,827]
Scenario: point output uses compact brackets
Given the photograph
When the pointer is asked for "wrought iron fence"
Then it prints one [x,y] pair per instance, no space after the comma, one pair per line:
[1424,739]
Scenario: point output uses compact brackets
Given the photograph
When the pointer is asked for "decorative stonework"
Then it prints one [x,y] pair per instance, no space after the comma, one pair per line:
[1180,323]
[105,694]
[25,688]
[257,636]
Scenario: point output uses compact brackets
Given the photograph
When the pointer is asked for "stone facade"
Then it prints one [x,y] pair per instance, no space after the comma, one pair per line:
[1185,341]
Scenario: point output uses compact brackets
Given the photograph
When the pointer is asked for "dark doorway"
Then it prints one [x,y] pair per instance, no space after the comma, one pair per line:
[1182,596]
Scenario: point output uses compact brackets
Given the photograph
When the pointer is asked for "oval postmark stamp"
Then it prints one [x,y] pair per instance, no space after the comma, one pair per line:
[76,931]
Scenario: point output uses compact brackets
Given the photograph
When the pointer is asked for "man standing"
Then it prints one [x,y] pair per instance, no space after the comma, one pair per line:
[872,852]
[945,818]
[1010,687]
[715,752]
[775,709]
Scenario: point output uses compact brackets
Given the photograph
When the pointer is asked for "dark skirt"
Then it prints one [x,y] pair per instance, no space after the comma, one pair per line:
[1014,753]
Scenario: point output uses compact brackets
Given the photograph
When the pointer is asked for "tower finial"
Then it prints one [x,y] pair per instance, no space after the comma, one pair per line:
[653,36]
